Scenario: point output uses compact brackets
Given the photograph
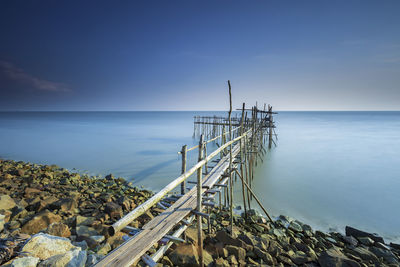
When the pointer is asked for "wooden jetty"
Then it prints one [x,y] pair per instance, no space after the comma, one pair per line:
[239,149]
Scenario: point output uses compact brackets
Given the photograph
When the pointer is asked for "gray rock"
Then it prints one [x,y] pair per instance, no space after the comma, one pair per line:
[73,258]
[350,231]
[365,254]
[81,220]
[265,256]
[92,259]
[366,241]
[104,249]
[44,246]
[333,257]
[25,262]
[350,240]
[82,244]
[295,226]
[83,230]
[387,255]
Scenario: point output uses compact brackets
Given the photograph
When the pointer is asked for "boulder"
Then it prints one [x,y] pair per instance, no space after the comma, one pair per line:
[220,262]
[92,259]
[365,254]
[184,255]
[366,241]
[44,246]
[65,204]
[265,256]
[31,192]
[81,220]
[333,257]
[295,226]
[40,222]
[387,255]
[247,238]
[191,235]
[350,231]
[25,262]
[226,239]
[72,258]
[83,230]
[59,229]
[104,249]
[6,202]
[350,240]
[300,258]
[114,210]
[240,253]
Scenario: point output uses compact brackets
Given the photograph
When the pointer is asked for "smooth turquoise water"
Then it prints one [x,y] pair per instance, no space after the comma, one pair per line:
[330,169]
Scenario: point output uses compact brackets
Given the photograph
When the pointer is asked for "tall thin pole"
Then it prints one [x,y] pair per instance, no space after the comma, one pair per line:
[183,152]
[242,161]
[230,158]
[199,200]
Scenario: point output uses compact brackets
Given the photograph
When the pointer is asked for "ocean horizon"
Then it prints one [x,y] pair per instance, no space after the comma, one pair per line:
[329,168]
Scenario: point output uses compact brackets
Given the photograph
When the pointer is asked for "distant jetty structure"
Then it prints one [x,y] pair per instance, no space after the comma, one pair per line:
[241,142]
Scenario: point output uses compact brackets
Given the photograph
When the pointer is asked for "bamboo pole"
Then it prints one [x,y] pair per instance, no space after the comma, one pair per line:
[241,164]
[270,127]
[199,200]
[183,152]
[246,171]
[230,159]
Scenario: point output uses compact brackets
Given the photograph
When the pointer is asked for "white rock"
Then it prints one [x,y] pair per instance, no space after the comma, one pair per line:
[45,246]
[25,262]
[74,258]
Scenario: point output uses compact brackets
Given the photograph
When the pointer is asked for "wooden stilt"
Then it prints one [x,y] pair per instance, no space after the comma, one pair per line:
[199,202]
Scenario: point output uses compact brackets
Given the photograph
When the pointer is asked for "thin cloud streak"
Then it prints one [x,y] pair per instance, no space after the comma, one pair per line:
[19,75]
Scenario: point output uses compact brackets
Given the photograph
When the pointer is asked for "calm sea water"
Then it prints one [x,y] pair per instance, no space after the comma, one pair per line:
[330,169]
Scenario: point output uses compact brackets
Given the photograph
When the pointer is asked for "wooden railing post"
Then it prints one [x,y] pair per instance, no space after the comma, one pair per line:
[183,152]
[230,160]
[205,156]
[199,200]
[242,162]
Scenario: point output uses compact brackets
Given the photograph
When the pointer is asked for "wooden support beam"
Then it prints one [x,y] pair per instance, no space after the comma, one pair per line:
[199,202]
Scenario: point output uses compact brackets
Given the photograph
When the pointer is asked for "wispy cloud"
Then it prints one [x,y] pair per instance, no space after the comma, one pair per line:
[19,75]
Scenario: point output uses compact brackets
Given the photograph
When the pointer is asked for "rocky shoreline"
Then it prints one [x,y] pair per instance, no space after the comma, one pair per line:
[52,217]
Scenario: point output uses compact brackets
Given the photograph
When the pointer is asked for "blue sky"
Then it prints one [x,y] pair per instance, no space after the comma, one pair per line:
[178,55]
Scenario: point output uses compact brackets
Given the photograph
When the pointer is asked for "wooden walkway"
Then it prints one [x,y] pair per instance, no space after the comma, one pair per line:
[132,250]
[238,149]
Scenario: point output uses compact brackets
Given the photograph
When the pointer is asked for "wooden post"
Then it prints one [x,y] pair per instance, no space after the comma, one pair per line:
[270,127]
[230,159]
[199,200]
[242,161]
[246,170]
[183,152]
[205,156]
